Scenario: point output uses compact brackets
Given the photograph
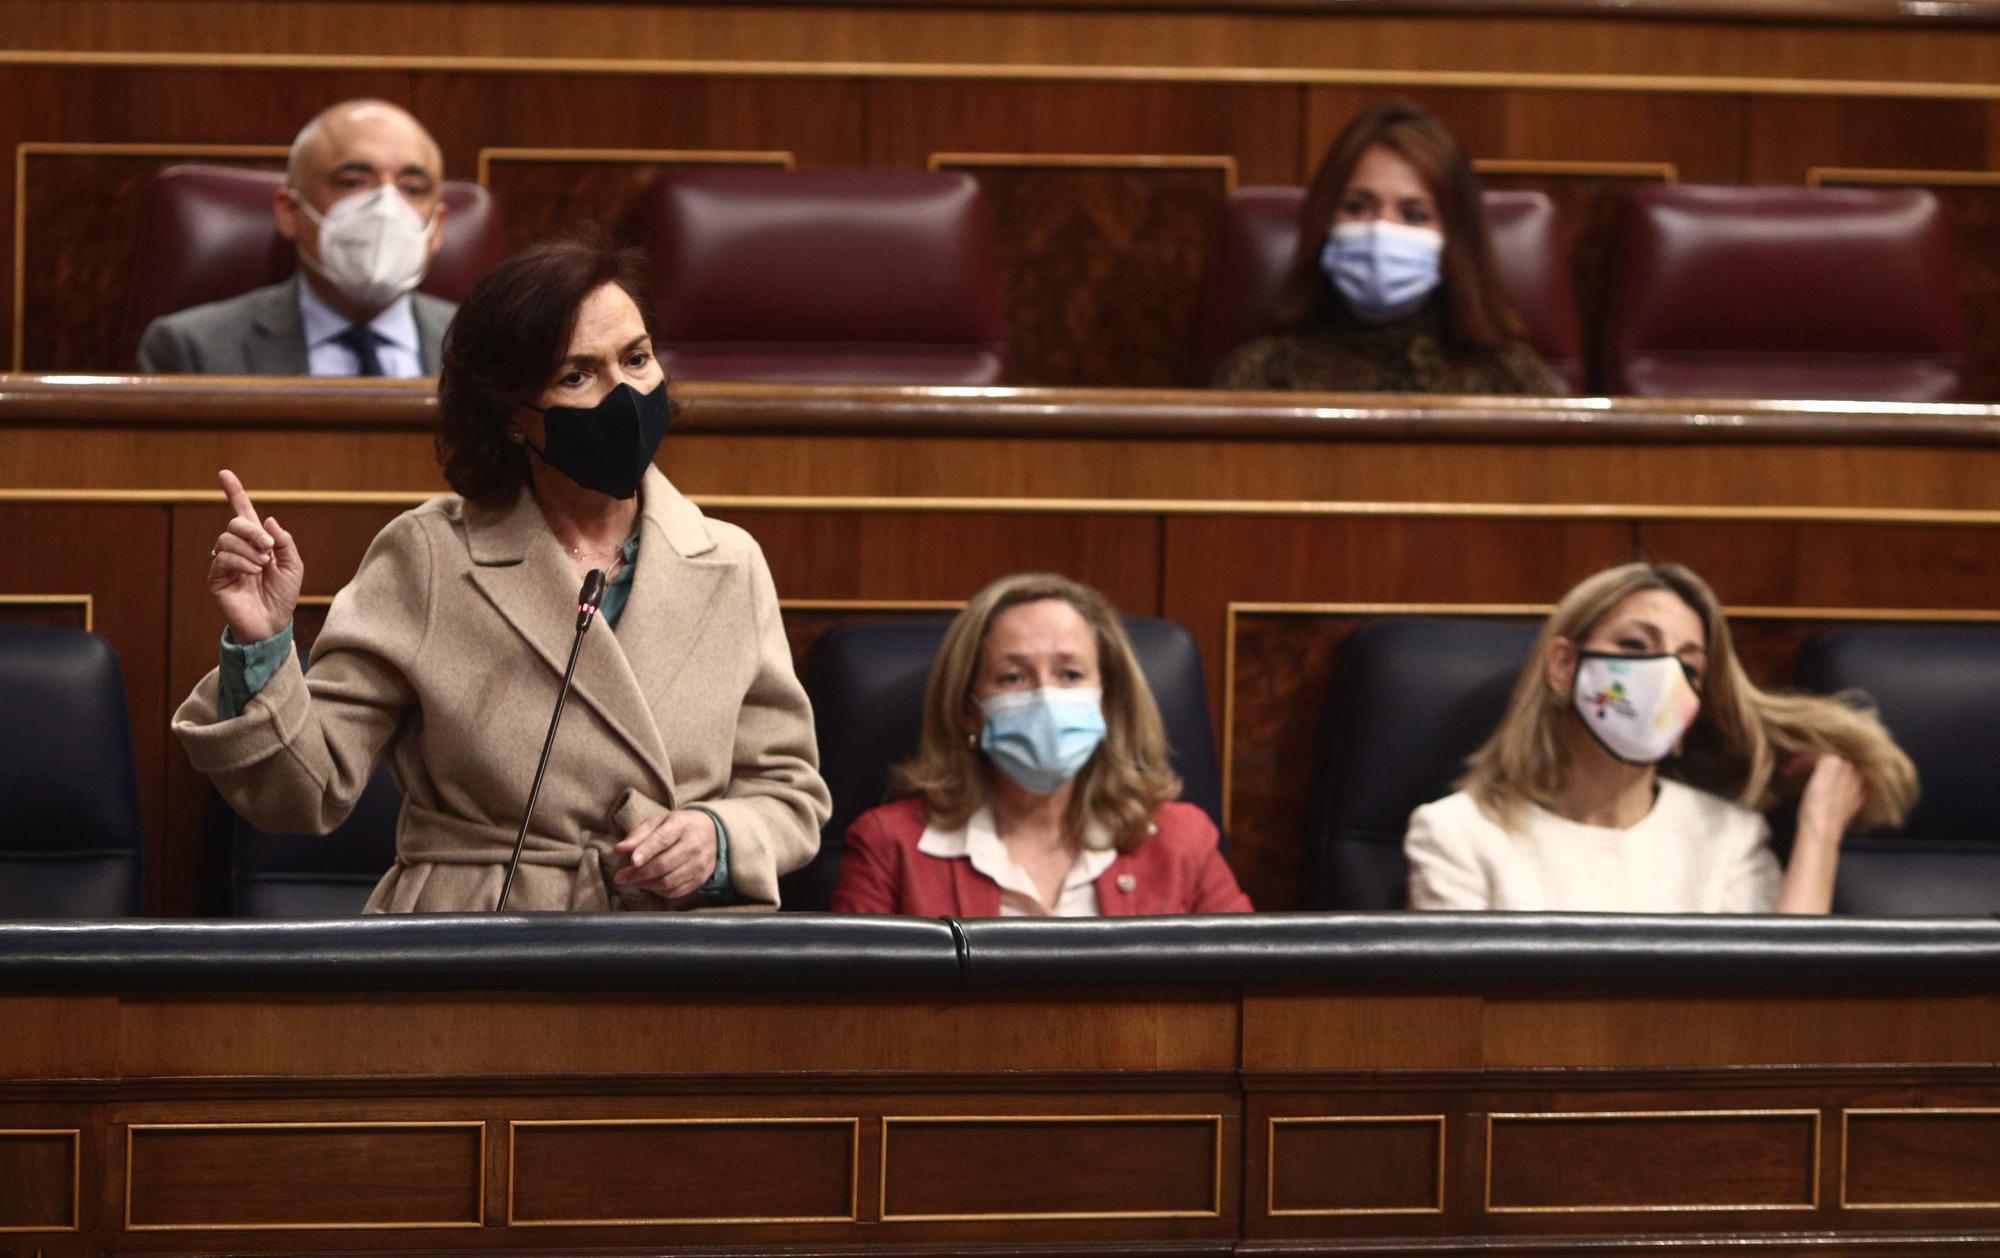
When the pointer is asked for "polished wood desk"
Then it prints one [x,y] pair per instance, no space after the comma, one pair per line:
[1416,1085]
[1269,525]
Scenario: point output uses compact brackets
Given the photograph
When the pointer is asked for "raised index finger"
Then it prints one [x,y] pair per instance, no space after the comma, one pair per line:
[239,501]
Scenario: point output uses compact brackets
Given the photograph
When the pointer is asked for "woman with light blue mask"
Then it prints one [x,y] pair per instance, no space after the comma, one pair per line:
[1041,786]
[1393,288]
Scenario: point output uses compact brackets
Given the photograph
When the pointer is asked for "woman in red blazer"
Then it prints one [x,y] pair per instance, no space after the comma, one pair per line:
[1040,787]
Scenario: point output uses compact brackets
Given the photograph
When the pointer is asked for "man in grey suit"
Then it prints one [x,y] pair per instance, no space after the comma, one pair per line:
[361,204]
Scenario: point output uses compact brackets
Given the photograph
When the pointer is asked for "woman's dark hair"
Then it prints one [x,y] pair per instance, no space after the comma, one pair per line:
[504,346]
[1476,311]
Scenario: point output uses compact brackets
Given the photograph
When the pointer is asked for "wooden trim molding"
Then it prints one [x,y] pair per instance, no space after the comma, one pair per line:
[1213,1211]
[1907,1112]
[1271,1209]
[1839,176]
[784,159]
[1304,76]
[1662,172]
[853,1124]
[1668,1115]
[75,1175]
[477,1220]
[1092,161]
[86,601]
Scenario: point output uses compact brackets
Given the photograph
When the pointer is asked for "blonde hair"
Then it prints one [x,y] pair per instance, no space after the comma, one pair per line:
[1739,739]
[1122,785]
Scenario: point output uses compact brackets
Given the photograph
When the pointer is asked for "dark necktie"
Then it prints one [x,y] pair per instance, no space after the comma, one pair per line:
[360,338]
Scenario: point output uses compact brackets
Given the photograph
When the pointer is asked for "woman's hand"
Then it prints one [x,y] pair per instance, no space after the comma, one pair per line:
[672,855]
[254,570]
[1833,797]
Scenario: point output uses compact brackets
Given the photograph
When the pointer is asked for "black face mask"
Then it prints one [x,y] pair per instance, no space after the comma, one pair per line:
[609,446]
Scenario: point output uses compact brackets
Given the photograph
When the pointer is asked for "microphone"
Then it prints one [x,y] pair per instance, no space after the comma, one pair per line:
[587,600]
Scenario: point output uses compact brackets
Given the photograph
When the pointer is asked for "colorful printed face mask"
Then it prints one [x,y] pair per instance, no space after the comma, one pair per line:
[1385,270]
[1043,738]
[1636,706]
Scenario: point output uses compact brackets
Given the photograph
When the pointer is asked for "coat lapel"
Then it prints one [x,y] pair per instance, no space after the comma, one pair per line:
[521,569]
[433,317]
[674,589]
[275,344]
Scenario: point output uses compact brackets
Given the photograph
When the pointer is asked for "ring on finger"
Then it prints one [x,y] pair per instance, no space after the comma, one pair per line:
[213,552]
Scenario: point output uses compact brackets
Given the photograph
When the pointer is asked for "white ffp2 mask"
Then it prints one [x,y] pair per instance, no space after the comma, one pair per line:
[372,247]
[1636,706]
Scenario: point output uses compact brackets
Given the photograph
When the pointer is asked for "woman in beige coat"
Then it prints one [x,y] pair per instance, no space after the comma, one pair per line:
[685,771]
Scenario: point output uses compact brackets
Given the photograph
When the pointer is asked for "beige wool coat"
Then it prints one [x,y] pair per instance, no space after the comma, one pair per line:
[446,652]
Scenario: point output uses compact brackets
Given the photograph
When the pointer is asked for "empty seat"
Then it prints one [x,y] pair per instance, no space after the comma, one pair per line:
[71,843]
[206,234]
[866,682]
[869,277]
[1937,689]
[1259,232]
[1784,293]
[1408,702]
[331,875]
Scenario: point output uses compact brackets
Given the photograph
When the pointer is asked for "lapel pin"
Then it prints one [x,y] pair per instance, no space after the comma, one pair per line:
[1126,882]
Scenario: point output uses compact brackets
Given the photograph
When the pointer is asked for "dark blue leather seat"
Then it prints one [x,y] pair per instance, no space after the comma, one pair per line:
[303,875]
[1408,702]
[309,875]
[71,842]
[1937,689]
[866,682]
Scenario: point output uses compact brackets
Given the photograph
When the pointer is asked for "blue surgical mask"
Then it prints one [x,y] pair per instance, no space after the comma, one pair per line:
[1385,270]
[1042,738]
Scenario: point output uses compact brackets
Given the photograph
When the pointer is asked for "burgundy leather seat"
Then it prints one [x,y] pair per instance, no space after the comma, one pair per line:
[1785,293]
[206,233]
[1260,229]
[876,277]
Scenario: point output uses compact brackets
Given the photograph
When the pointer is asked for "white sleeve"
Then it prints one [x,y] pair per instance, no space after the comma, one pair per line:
[1444,874]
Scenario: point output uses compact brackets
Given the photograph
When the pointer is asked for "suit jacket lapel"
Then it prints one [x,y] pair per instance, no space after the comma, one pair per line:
[275,344]
[519,566]
[433,317]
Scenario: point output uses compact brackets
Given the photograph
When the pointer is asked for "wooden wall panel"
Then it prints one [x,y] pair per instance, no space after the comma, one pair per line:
[1920,1158]
[1103,261]
[1711,1161]
[38,1180]
[627,1171]
[305,1175]
[1338,1165]
[967,1169]
[1102,265]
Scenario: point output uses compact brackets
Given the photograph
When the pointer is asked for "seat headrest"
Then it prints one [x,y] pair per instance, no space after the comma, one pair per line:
[885,276]
[1785,292]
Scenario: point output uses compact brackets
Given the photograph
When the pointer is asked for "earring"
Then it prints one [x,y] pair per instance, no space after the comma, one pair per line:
[516,436]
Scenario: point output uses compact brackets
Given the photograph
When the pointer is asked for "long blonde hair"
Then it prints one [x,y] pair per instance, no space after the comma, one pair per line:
[1121,786]
[1739,740]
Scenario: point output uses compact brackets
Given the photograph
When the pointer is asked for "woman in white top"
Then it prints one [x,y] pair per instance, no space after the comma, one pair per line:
[1627,771]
